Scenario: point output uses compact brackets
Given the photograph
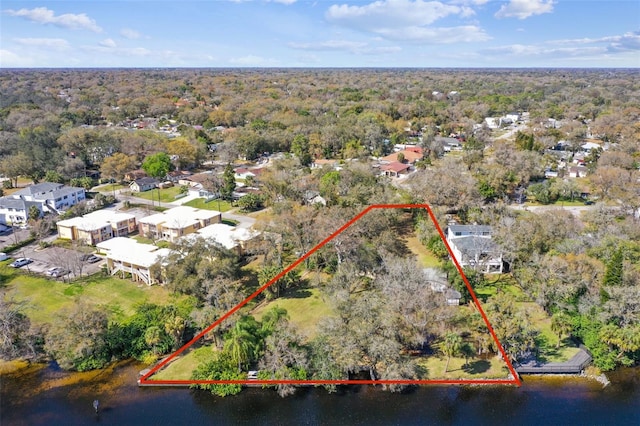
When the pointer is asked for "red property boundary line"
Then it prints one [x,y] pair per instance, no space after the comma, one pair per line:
[144,380]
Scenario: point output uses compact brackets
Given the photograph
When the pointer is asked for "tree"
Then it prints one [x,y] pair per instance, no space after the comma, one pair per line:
[300,147]
[242,342]
[221,367]
[77,338]
[117,165]
[16,165]
[34,213]
[450,347]
[229,183]
[250,202]
[561,325]
[157,166]
[17,339]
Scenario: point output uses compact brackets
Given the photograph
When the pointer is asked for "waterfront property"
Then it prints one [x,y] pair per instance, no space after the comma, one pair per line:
[127,256]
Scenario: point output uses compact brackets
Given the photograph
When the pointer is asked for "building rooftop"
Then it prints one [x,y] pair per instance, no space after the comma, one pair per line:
[471,229]
[84,223]
[225,235]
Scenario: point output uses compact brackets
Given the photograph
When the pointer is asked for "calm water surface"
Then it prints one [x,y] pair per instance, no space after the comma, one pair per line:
[50,397]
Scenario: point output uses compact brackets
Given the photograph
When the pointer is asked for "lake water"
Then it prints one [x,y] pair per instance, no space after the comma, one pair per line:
[50,397]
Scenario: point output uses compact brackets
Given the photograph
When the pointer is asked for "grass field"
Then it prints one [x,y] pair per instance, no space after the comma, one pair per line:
[304,306]
[167,195]
[201,203]
[425,256]
[182,367]
[492,368]
[44,297]
[108,187]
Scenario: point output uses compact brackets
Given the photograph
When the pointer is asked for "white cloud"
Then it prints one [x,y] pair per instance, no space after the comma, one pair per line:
[407,20]
[392,13]
[119,51]
[356,47]
[107,42]
[438,35]
[8,59]
[329,45]
[253,60]
[523,9]
[42,15]
[47,43]
[627,41]
[130,34]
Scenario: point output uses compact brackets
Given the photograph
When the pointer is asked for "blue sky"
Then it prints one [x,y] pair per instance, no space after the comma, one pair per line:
[320,33]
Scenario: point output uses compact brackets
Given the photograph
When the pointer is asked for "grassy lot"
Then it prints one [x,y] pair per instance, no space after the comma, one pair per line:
[425,256]
[492,368]
[182,367]
[167,195]
[502,282]
[201,203]
[304,306]
[576,202]
[548,340]
[45,297]
[108,187]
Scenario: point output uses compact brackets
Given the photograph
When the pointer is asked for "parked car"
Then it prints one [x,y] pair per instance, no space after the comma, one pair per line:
[3,256]
[91,258]
[57,271]
[20,262]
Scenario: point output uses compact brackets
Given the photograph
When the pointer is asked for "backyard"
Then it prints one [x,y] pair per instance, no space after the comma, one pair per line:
[45,297]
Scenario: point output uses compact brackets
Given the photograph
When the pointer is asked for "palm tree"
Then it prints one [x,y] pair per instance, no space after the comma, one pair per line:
[450,347]
[241,344]
[560,325]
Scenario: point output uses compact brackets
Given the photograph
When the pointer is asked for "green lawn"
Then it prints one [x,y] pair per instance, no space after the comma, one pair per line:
[426,258]
[201,203]
[491,368]
[167,195]
[182,367]
[304,306]
[108,187]
[45,297]
[548,340]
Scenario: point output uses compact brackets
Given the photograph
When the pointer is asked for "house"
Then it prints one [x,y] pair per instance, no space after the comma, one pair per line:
[177,222]
[176,175]
[127,257]
[16,211]
[472,246]
[394,169]
[320,163]
[48,197]
[438,283]
[243,173]
[314,197]
[448,144]
[97,226]
[577,171]
[409,155]
[143,184]
[135,174]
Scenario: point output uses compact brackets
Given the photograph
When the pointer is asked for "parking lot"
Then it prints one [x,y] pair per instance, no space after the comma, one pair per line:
[50,257]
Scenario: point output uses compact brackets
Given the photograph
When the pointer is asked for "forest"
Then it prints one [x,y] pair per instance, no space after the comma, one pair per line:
[572,276]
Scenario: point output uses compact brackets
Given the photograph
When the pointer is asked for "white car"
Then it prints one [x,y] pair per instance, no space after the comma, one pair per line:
[56,272]
[20,262]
